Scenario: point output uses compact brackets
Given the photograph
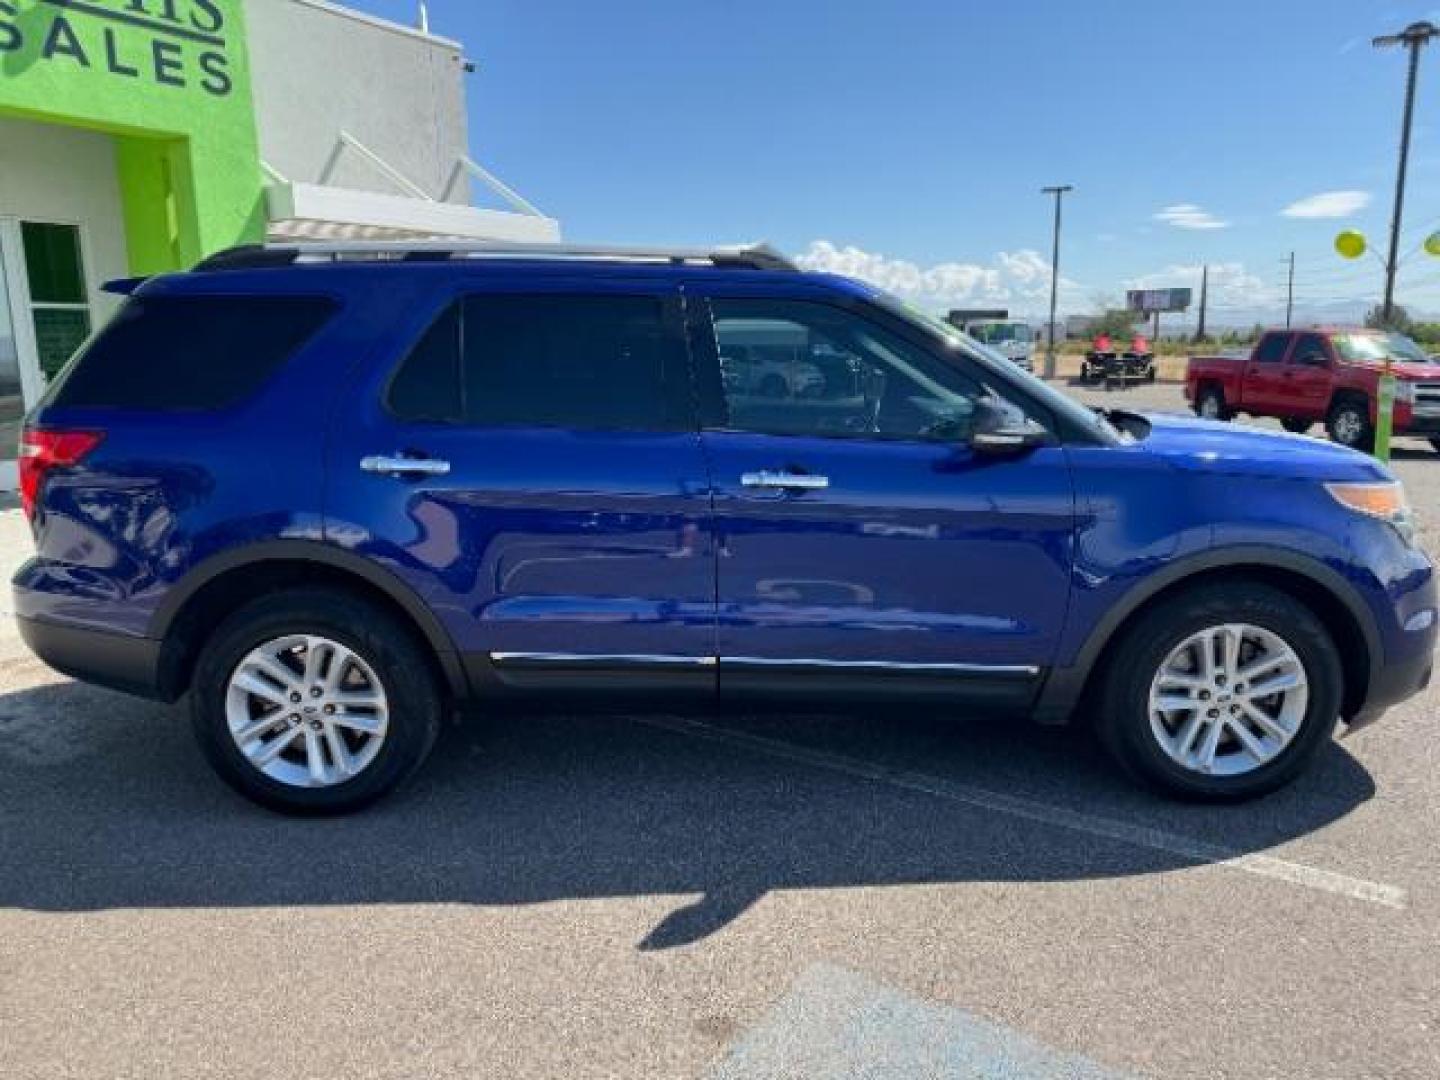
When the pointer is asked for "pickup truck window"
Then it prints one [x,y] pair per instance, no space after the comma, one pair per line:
[1310,351]
[1377,346]
[1271,349]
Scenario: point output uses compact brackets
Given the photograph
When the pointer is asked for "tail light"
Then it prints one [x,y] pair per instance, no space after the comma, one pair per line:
[43,450]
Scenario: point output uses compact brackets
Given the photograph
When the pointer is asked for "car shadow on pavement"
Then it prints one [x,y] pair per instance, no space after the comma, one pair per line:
[107,804]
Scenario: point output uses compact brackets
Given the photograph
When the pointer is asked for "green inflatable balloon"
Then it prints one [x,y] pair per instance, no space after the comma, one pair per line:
[1351,244]
[1432,244]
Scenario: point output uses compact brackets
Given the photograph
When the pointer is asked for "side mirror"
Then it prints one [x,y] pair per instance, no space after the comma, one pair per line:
[999,431]
[1007,442]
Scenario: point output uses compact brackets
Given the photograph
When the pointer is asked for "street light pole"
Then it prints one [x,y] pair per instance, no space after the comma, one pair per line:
[1290,292]
[1413,37]
[1058,191]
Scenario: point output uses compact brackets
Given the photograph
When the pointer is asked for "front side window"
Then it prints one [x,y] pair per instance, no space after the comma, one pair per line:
[800,368]
[1271,349]
[580,362]
[1310,351]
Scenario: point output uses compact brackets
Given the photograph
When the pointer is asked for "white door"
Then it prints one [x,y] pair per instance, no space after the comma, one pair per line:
[44,316]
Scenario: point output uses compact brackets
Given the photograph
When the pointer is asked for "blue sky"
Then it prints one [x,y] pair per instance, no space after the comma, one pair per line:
[908,141]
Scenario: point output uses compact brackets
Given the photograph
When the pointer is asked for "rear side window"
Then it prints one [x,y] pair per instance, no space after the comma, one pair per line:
[192,353]
[581,362]
[1271,349]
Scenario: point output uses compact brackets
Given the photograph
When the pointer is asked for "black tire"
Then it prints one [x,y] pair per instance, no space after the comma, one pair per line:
[1296,425]
[1349,424]
[397,658]
[1123,720]
[1210,402]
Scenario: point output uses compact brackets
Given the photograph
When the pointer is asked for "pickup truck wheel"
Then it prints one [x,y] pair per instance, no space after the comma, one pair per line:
[1296,425]
[1349,424]
[1224,692]
[1210,404]
[314,702]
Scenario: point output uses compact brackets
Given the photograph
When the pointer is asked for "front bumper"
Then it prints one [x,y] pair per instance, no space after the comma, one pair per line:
[117,661]
[1391,685]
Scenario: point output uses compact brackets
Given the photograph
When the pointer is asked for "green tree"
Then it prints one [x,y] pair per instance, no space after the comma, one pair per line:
[1399,319]
[1117,322]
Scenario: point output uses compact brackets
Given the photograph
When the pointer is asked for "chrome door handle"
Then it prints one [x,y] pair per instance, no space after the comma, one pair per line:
[404,466]
[785,481]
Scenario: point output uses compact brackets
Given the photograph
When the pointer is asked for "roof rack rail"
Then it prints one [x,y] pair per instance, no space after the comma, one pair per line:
[257,256]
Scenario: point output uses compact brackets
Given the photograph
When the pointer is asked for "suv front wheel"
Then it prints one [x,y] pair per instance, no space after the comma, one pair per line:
[1224,692]
[314,702]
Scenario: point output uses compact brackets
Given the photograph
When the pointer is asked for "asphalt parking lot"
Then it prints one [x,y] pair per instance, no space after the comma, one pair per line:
[762,897]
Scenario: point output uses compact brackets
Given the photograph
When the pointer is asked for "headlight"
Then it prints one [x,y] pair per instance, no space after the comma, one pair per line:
[1405,391]
[1385,500]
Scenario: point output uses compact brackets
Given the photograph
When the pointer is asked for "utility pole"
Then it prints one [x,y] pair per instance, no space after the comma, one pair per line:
[1059,192]
[1290,292]
[1414,37]
[1204,299]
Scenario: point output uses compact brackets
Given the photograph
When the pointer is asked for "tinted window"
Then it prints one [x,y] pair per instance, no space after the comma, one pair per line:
[189,353]
[1271,349]
[1310,350]
[427,385]
[572,361]
[585,362]
[797,368]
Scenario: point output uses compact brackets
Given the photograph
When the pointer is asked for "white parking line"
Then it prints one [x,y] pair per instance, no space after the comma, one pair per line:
[1199,851]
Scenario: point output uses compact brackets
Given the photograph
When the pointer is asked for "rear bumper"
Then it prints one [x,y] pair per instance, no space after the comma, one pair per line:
[117,661]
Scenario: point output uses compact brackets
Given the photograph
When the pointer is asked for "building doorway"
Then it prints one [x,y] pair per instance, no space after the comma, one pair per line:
[45,314]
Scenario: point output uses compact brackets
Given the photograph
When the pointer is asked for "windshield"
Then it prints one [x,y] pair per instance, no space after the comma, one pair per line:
[1047,395]
[1379,345]
[997,333]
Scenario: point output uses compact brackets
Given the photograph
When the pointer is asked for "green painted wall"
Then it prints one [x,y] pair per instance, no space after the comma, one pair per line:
[170,79]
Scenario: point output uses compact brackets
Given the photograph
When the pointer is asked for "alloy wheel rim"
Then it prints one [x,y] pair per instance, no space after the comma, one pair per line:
[1228,700]
[1347,426]
[306,711]
[1209,407]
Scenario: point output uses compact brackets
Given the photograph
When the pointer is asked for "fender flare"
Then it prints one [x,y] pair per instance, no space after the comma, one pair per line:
[319,552]
[1061,691]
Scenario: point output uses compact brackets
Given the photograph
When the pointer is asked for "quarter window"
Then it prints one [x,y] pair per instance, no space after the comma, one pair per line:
[189,353]
[801,368]
[581,362]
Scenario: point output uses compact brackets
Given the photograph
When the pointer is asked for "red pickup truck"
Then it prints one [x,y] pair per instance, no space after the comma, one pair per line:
[1331,375]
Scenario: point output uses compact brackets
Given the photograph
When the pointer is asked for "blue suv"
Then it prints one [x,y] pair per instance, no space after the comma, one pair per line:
[332,492]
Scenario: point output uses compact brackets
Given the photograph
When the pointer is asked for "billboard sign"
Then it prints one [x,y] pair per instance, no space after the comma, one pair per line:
[1149,301]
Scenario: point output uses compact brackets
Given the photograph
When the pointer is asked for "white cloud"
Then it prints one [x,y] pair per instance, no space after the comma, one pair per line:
[1189,216]
[1020,279]
[1230,285]
[1328,204]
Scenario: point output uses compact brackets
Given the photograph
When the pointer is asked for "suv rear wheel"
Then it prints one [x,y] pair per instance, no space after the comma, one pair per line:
[1222,693]
[314,702]
[1349,424]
